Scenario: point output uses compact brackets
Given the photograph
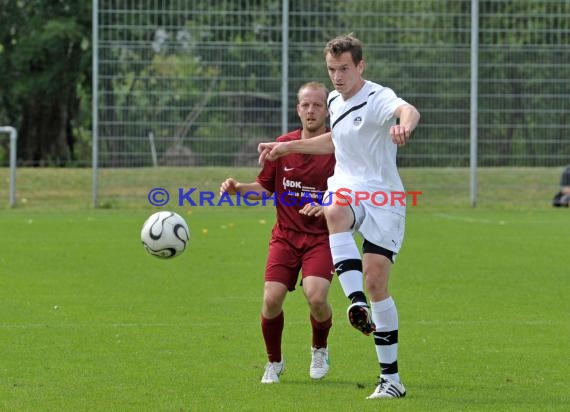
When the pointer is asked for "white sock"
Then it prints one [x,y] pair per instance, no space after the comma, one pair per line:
[345,253]
[385,317]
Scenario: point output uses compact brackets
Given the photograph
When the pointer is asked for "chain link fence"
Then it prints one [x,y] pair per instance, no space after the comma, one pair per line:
[200,83]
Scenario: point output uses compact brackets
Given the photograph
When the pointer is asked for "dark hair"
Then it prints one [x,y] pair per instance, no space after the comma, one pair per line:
[345,43]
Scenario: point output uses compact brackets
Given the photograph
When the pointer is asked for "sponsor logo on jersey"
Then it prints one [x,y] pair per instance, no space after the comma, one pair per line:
[295,184]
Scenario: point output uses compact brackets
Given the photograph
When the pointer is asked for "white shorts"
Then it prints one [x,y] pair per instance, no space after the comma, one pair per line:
[379,225]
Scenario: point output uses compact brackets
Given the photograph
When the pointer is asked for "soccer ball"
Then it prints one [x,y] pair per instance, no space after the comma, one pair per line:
[165,235]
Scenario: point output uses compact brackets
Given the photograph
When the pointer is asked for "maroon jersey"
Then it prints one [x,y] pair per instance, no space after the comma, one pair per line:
[295,179]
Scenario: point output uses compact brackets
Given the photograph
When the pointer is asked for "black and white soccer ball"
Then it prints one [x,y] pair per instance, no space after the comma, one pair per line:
[165,235]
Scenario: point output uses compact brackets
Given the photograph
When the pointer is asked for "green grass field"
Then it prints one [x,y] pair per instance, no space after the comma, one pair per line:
[90,322]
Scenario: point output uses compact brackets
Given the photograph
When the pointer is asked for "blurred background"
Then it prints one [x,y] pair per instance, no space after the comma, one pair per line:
[116,84]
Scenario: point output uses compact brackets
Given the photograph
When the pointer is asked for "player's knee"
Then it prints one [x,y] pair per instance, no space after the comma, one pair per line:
[339,218]
[317,302]
[272,304]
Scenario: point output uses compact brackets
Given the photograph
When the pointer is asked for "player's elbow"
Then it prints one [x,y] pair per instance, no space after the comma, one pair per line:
[412,112]
[410,115]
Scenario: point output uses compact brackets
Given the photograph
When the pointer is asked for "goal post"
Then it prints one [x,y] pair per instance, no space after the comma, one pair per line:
[13,140]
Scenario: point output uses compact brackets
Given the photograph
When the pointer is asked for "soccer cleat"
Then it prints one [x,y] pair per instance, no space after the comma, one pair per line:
[388,388]
[359,317]
[272,372]
[319,363]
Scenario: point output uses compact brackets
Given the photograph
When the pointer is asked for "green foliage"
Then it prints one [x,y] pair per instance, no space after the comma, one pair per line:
[525,79]
[221,55]
[523,86]
[44,63]
[40,51]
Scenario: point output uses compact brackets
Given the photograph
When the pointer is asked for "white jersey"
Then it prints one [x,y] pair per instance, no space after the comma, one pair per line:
[364,151]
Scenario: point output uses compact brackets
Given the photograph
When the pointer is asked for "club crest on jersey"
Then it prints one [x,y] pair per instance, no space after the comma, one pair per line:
[357,120]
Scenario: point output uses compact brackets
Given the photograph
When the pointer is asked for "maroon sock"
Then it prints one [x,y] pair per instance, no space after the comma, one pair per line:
[320,332]
[272,330]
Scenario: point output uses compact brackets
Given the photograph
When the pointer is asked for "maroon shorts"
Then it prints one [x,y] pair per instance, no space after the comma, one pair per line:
[291,252]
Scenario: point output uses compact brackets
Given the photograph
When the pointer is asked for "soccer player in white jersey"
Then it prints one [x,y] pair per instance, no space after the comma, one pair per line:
[368,123]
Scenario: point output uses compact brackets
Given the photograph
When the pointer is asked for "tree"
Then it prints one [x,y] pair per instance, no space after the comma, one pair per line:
[44,53]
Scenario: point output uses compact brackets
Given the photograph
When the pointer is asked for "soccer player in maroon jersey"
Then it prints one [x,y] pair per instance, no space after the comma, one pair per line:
[299,240]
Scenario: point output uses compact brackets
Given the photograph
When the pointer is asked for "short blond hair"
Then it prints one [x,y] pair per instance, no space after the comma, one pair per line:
[316,86]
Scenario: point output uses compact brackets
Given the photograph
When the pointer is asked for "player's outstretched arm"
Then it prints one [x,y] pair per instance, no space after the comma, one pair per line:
[322,144]
[253,190]
[409,119]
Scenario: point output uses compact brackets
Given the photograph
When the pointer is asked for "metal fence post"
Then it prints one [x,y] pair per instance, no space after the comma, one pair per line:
[474,96]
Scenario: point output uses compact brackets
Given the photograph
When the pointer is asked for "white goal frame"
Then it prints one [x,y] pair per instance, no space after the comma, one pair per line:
[13,139]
